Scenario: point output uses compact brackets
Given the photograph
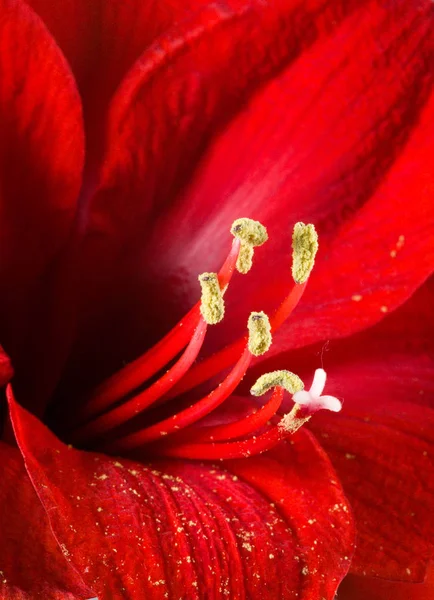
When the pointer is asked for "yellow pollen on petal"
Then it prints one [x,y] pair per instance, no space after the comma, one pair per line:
[212,304]
[251,234]
[285,379]
[259,333]
[305,247]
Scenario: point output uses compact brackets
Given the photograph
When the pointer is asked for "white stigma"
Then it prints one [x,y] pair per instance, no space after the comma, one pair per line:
[313,398]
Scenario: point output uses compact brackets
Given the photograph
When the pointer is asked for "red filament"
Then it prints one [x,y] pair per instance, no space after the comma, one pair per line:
[191,414]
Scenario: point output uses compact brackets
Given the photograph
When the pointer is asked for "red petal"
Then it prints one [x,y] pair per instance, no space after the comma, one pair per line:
[384,251]
[385,463]
[32,565]
[366,588]
[189,530]
[41,158]
[6,370]
[278,477]
[342,135]
[381,257]
[101,42]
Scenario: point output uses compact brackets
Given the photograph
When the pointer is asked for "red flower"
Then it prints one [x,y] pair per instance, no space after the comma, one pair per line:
[133,134]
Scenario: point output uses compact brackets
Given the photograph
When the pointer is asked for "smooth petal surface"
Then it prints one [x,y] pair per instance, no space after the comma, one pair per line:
[32,565]
[178,529]
[41,159]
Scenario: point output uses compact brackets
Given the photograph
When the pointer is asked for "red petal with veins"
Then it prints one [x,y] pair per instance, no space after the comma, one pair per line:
[347,139]
[384,455]
[279,526]
[101,42]
[32,565]
[41,158]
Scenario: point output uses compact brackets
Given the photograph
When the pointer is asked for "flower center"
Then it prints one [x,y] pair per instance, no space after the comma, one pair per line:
[116,405]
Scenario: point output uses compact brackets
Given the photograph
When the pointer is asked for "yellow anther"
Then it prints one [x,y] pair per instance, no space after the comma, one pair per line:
[245,259]
[212,305]
[250,233]
[285,379]
[259,333]
[305,247]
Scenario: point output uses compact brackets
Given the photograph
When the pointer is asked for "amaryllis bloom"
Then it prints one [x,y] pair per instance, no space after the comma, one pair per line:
[198,400]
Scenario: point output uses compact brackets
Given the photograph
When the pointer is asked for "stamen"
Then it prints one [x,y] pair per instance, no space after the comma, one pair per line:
[257,444]
[249,231]
[251,234]
[289,381]
[305,247]
[280,380]
[212,305]
[211,442]
[259,333]
[224,451]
